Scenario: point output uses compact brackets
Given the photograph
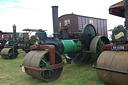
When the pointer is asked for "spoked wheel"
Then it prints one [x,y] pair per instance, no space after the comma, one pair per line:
[39,59]
[96,45]
[7,53]
[99,46]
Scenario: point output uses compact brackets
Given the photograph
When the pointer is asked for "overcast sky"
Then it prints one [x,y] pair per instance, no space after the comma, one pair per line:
[37,14]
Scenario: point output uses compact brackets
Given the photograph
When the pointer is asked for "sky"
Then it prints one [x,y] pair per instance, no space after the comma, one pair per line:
[37,14]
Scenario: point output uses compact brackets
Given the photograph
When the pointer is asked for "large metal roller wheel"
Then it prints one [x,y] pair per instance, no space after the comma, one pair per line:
[39,59]
[7,53]
[117,60]
[96,45]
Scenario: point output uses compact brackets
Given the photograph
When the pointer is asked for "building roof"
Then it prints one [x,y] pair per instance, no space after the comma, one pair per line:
[81,16]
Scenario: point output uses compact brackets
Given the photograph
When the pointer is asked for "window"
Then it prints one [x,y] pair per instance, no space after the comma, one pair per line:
[66,22]
[60,25]
[90,21]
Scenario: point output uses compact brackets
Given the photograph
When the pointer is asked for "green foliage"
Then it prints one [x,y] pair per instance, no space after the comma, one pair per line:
[110,30]
[11,74]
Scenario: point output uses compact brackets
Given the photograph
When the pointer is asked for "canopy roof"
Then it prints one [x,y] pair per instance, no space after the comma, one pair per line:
[117,9]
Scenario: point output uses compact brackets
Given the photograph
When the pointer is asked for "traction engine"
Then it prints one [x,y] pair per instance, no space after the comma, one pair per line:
[4,37]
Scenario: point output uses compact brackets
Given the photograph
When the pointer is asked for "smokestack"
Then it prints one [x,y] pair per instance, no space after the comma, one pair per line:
[55,21]
[126,13]
[14,32]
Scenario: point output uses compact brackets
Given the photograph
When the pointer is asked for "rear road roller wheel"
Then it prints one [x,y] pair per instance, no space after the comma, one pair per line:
[39,59]
[96,45]
[117,60]
[7,53]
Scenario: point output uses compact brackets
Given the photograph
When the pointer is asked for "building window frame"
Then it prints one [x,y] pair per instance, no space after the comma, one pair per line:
[66,22]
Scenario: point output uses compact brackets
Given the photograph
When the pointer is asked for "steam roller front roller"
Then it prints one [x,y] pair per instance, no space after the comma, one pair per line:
[96,45]
[112,67]
[41,59]
[9,53]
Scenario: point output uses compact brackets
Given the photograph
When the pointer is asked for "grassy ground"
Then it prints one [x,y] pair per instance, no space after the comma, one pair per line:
[11,74]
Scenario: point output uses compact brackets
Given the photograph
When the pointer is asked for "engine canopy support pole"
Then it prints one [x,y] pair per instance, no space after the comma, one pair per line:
[126,13]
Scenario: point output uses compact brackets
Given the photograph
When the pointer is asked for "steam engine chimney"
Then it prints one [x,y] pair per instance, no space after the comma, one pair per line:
[14,32]
[55,21]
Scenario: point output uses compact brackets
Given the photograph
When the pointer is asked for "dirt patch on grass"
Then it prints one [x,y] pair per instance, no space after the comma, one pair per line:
[4,79]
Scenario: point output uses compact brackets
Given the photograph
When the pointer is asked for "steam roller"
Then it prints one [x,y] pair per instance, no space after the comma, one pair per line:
[7,53]
[44,61]
[112,64]
[11,46]
[10,52]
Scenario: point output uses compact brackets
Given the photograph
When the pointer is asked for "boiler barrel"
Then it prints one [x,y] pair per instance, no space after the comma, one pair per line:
[116,65]
[71,45]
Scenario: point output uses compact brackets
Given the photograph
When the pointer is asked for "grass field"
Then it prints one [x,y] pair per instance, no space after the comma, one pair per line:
[11,74]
